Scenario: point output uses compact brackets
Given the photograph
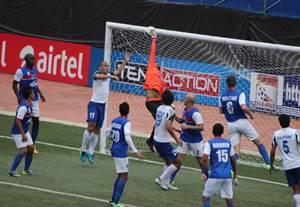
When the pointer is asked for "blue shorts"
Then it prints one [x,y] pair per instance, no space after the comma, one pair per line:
[166,150]
[95,113]
[293,176]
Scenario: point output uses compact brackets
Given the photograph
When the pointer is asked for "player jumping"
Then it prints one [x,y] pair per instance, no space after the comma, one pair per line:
[121,130]
[154,85]
[191,127]
[221,154]
[96,106]
[163,133]
[27,77]
[20,133]
[288,141]
[233,104]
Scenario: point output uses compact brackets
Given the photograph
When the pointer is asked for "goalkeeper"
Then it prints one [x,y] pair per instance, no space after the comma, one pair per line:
[154,85]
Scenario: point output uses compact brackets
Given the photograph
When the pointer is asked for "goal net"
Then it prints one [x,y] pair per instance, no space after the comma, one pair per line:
[200,64]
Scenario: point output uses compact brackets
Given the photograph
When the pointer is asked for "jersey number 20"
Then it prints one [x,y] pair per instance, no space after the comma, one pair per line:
[222,155]
[115,135]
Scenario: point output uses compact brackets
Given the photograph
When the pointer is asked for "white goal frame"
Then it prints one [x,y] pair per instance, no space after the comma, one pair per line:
[108,51]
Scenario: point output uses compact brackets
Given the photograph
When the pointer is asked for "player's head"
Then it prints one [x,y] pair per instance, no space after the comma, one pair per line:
[189,99]
[29,60]
[218,130]
[27,93]
[284,120]
[231,81]
[124,109]
[167,97]
[103,67]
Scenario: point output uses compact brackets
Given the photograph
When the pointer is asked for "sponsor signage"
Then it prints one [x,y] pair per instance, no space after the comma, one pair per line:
[178,80]
[275,94]
[55,60]
[266,91]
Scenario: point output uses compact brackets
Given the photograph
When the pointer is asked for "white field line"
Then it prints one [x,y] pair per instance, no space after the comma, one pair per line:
[57,192]
[152,162]
[69,123]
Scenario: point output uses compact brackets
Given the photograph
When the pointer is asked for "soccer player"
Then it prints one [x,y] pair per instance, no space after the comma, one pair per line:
[191,127]
[21,134]
[163,133]
[96,106]
[221,154]
[233,104]
[24,77]
[154,86]
[121,129]
[288,141]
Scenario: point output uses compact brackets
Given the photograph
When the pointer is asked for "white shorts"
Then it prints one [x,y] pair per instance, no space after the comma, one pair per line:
[35,109]
[218,186]
[195,148]
[18,140]
[241,127]
[121,164]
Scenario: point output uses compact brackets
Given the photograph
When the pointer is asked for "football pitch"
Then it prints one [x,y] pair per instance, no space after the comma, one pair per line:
[62,180]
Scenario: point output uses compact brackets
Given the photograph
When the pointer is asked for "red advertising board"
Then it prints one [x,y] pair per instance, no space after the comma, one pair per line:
[55,60]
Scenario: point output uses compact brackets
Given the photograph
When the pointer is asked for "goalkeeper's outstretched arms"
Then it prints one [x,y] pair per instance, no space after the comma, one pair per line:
[154,84]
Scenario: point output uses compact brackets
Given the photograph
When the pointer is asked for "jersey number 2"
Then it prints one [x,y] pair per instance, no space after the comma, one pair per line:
[286,148]
[222,155]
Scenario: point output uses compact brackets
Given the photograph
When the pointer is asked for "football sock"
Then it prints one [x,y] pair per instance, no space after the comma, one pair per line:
[264,153]
[173,176]
[35,130]
[16,161]
[297,200]
[115,189]
[165,167]
[206,203]
[167,174]
[85,140]
[28,161]
[93,143]
[120,188]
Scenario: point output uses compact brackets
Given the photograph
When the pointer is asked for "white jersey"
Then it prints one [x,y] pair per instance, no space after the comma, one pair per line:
[163,114]
[288,141]
[100,90]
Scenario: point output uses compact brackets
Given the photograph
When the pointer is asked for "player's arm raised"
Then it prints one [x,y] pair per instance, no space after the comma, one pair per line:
[272,153]
[121,67]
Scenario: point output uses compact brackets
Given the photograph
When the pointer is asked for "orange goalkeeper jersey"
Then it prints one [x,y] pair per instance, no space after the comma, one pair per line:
[154,79]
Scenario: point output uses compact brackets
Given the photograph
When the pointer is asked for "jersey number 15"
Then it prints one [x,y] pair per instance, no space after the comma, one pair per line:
[222,155]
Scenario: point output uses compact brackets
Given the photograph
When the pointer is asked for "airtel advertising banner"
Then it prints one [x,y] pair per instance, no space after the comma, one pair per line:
[55,60]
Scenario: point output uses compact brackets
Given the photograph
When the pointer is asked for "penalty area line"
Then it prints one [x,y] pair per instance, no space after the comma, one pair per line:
[73,195]
[153,162]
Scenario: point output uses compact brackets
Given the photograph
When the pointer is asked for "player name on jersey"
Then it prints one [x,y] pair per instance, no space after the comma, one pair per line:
[220,145]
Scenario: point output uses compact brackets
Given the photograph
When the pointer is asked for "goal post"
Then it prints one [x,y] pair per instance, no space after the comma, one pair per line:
[269,74]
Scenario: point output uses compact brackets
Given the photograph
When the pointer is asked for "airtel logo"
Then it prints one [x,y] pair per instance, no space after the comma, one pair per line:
[55,62]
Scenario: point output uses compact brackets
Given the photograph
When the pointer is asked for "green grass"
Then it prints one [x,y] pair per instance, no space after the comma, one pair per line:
[61,170]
